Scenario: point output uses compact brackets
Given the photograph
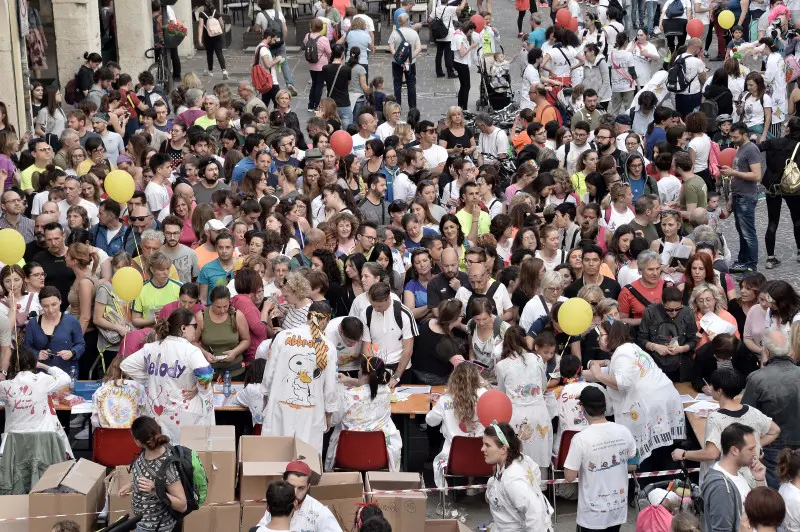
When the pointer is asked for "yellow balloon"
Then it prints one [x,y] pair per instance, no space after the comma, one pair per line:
[84,167]
[12,246]
[127,283]
[119,186]
[575,316]
[726,19]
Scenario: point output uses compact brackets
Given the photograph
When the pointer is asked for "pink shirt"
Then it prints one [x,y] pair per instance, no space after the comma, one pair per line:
[133,341]
[755,323]
[323,51]
[258,329]
[167,309]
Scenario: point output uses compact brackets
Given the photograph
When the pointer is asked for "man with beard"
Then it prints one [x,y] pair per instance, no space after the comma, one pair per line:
[445,285]
[141,219]
[606,142]
[220,270]
[109,232]
[309,514]
[13,205]
[210,171]
[38,244]
[53,261]
[183,258]
[589,113]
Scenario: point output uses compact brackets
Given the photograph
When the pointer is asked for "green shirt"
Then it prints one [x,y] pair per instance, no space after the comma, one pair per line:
[205,122]
[26,177]
[152,298]
[466,222]
[693,191]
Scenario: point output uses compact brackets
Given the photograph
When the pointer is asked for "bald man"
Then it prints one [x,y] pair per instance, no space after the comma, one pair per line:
[483,286]
[38,243]
[140,220]
[51,208]
[445,285]
[222,122]
[315,239]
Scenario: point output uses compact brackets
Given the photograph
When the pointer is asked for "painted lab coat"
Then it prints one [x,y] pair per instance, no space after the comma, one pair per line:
[299,395]
[646,402]
[253,398]
[312,516]
[516,500]
[443,414]
[28,406]
[524,380]
[570,412]
[166,369]
[358,412]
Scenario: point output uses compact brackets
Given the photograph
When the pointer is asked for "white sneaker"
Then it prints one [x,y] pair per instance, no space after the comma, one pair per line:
[83,435]
[209,73]
[224,74]
[656,31]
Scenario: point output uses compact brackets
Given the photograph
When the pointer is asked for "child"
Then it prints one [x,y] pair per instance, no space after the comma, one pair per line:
[738,40]
[367,407]
[252,396]
[685,522]
[349,13]
[723,135]
[522,375]
[715,212]
[567,394]
[117,402]
[499,71]
[366,512]
[376,95]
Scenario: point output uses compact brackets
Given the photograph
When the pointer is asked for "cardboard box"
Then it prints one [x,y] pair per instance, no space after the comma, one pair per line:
[213,519]
[85,478]
[341,493]
[263,459]
[118,505]
[216,447]
[405,511]
[252,512]
[12,506]
[445,525]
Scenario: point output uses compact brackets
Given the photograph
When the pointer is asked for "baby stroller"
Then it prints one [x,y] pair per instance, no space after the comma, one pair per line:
[682,491]
[496,91]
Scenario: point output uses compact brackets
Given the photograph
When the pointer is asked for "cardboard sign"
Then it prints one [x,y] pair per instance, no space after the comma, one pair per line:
[12,506]
[213,518]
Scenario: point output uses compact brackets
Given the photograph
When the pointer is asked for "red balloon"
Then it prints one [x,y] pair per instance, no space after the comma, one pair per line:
[573,24]
[494,405]
[479,22]
[695,28]
[726,156]
[563,16]
[342,143]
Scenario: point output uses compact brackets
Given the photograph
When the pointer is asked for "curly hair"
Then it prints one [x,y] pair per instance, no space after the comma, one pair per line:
[297,283]
[346,217]
[463,386]
[720,303]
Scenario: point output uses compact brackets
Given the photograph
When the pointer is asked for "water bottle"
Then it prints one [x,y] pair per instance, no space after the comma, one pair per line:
[226,384]
[73,376]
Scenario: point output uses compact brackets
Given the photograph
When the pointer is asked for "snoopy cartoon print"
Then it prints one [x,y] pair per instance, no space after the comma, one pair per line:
[302,366]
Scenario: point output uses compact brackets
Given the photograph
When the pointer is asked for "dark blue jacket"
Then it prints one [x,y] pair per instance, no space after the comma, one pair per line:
[67,335]
[100,237]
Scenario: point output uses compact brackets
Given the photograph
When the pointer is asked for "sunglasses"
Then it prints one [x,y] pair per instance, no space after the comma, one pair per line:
[672,310]
[138,218]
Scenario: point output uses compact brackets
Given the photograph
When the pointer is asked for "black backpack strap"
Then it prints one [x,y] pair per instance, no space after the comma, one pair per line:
[492,290]
[398,316]
[638,295]
[369,318]
[544,305]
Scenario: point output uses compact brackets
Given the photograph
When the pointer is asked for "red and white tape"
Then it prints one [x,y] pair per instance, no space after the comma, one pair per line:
[666,473]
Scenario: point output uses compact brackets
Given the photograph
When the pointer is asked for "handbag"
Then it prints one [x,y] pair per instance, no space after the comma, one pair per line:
[213,27]
[790,179]
[114,315]
[792,68]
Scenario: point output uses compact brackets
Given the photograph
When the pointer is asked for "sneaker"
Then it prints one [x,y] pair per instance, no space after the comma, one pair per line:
[292,90]
[224,74]
[772,262]
[311,110]
[78,421]
[705,54]
[656,31]
[209,73]
[83,435]
[452,76]
[737,268]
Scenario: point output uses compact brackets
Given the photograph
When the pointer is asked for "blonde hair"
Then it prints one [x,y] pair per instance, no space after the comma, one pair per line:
[405,134]
[389,108]
[191,81]
[590,290]
[297,283]
[283,92]
[83,255]
[561,177]
[463,386]
[450,112]
[550,279]
[720,304]
[347,217]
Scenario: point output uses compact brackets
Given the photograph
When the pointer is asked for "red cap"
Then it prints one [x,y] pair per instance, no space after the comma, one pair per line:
[297,466]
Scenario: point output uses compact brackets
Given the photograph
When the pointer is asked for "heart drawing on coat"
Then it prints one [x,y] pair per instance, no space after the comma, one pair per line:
[158,409]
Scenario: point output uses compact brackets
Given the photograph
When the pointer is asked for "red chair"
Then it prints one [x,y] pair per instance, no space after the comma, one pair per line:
[114,447]
[466,460]
[361,451]
[257,429]
[558,463]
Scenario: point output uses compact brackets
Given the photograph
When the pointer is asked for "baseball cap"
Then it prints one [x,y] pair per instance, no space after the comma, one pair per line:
[296,466]
[100,117]
[214,225]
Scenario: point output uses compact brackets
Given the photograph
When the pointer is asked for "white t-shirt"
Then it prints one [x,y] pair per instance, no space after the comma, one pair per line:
[600,453]
[434,156]
[775,79]
[702,149]
[495,142]
[611,30]
[448,14]
[534,309]
[754,110]
[621,80]
[702,17]
[265,55]
[386,335]
[157,196]
[502,301]
[458,43]
[791,497]
[91,210]
[669,188]
[359,143]
[571,162]
[644,65]
[562,59]
[694,67]
[529,77]
[738,480]
[367,21]
[550,264]
[617,218]
[385,130]
[628,275]
[348,357]
[403,188]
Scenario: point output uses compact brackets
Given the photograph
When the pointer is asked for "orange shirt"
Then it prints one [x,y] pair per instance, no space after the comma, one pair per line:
[725,315]
[521,140]
[545,113]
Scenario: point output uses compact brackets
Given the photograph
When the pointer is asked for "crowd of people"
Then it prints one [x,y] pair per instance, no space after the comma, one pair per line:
[323,279]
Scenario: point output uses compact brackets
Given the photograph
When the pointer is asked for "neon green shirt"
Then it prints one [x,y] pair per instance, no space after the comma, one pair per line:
[205,122]
[152,298]
[26,177]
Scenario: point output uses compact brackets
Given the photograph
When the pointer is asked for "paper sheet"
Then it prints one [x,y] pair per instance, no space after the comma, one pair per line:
[399,397]
[412,390]
[685,398]
[702,408]
[704,397]
[82,408]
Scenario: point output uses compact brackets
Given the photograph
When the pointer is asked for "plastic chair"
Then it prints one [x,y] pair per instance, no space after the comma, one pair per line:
[558,463]
[114,447]
[466,460]
[361,451]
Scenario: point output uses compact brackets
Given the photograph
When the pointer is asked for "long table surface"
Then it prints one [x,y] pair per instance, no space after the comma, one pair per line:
[697,423]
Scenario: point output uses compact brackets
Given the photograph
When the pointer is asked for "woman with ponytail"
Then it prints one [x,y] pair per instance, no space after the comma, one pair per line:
[789,473]
[300,379]
[156,513]
[455,411]
[523,376]
[517,501]
[365,407]
[175,374]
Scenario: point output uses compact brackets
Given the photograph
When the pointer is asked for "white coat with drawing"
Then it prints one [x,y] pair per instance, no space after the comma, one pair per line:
[516,499]
[301,383]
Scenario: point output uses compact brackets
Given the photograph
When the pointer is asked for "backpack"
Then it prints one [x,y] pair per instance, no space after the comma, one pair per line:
[676,77]
[71,90]
[310,50]
[711,108]
[402,54]
[559,116]
[192,476]
[397,307]
[616,4]
[275,24]
[713,159]
[438,28]
[675,9]
[790,178]
[488,295]
[261,77]
[213,27]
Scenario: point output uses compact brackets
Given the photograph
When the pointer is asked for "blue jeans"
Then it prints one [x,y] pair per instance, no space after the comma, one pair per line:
[744,214]
[650,9]
[284,67]
[637,13]
[770,461]
[346,114]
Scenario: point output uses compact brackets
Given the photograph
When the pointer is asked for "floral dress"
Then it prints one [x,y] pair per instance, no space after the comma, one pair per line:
[359,412]
[524,380]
